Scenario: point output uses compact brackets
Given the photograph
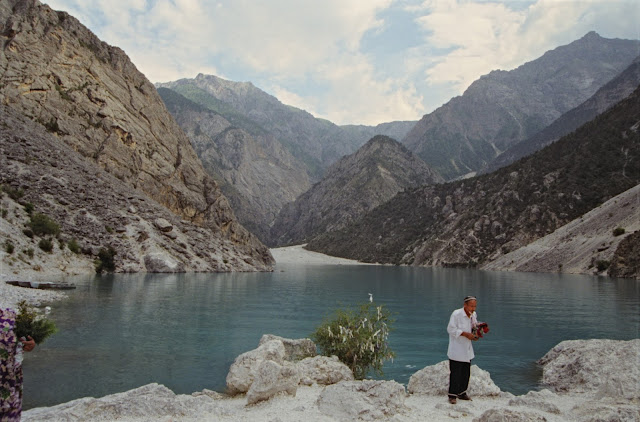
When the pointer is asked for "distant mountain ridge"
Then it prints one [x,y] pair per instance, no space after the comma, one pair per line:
[610,94]
[316,142]
[472,222]
[352,186]
[254,171]
[505,107]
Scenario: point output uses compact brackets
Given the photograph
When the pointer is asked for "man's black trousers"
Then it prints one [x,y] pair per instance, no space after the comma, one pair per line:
[459,377]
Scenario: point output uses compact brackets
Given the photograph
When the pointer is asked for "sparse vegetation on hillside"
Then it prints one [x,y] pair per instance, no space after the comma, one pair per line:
[467,222]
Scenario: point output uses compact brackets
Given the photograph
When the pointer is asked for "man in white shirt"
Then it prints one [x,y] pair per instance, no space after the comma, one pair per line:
[460,351]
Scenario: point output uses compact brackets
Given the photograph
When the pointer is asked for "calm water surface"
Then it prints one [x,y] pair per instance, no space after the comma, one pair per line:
[119,332]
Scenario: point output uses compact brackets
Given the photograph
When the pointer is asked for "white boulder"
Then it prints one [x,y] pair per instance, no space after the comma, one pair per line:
[242,371]
[604,368]
[272,378]
[323,370]
[540,400]
[434,380]
[365,400]
[295,349]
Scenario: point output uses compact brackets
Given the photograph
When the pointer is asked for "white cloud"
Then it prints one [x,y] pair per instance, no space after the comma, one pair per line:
[309,53]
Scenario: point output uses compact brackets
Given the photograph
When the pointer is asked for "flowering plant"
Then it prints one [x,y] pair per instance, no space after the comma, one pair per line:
[479,329]
[357,337]
[29,323]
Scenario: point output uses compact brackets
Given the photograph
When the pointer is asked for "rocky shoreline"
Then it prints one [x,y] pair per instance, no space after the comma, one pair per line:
[283,380]
[583,380]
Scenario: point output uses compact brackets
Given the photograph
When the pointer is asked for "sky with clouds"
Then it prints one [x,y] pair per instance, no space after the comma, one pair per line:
[349,61]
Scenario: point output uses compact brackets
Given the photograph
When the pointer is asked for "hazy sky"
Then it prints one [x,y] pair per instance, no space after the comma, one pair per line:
[349,61]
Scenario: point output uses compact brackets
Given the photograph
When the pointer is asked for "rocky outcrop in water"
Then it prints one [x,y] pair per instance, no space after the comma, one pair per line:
[505,107]
[91,98]
[353,186]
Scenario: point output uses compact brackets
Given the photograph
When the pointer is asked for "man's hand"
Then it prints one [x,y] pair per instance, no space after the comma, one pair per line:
[469,336]
[28,345]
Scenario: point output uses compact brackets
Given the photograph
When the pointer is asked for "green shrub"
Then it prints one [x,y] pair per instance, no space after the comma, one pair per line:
[28,252]
[28,233]
[28,207]
[4,212]
[602,265]
[43,225]
[618,231]
[9,247]
[358,337]
[14,194]
[29,323]
[45,244]
[73,246]
[105,262]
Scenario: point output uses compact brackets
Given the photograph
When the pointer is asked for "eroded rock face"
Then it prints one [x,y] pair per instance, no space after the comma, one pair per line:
[295,349]
[500,415]
[272,378]
[365,400]
[434,380]
[540,400]
[242,372]
[323,370]
[91,98]
[603,368]
[98,210]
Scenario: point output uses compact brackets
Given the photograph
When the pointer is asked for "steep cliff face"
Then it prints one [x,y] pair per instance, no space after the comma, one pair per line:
[255,172]
[503,108]
[353,186]
[94,210]
[610,94]
[475,221]
[91,97]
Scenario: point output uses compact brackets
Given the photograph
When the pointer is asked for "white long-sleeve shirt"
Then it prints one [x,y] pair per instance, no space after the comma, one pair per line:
[460,348]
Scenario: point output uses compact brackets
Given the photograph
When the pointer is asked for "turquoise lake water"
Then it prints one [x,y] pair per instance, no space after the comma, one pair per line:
[118,332]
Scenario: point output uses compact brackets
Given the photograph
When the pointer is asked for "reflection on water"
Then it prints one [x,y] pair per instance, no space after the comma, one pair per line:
[119,332]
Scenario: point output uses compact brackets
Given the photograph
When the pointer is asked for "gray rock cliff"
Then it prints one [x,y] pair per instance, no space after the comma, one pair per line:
[90,97]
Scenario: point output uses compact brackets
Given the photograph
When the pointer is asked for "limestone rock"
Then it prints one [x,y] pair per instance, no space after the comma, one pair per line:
[242,372]
[365,400]
[434,380]
[323,370]
[149,402]
[295,349]
[162,263]
[604,368]
[272,378]
[508,415]
[539,400]
[163,225]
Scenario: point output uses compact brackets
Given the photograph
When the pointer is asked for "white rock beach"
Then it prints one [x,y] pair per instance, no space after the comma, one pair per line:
[583,380]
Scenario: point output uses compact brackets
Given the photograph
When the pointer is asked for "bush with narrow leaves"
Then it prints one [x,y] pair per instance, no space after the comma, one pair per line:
[358,337]
[29,323]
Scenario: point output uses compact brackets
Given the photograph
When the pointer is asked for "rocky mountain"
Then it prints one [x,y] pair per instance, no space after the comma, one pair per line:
[475,221]
[353,186]
[317,143]
[505,107]
[91,99]
[588,244]
[255,172]
[610,94]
